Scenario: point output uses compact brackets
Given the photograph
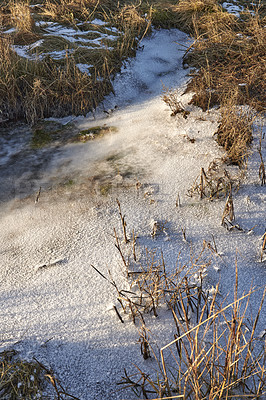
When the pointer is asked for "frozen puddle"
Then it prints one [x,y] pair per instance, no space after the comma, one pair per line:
[62,312]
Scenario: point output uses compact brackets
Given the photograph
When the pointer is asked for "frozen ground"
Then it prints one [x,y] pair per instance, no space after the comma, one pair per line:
[62,314]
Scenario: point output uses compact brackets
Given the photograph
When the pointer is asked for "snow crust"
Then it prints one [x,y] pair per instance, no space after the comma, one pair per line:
[54,306]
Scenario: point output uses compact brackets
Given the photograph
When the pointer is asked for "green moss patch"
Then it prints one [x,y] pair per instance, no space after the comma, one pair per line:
[105,188]
[93,133]
[45,133]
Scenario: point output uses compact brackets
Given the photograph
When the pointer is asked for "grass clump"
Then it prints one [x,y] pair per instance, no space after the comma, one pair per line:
[19,379]
[27,380]
[235,134]
[41,85]
[217,75]
[38,89]
[190,12]
[21,16]
[229,57]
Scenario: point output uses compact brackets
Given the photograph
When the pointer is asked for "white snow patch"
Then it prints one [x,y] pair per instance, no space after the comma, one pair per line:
[85,68]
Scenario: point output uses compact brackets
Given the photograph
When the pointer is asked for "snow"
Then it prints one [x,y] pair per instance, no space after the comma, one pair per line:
[99,22]
[72,35]
[54,306]
[233,9]
[11,30]
[85,68]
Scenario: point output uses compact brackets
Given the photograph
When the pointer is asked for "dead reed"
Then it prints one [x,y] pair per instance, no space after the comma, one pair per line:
[262,174]
[123,221]
[229,213]
[215,353]
[218,357]
[263,247]
[171,98]
[151,286]
[216,182]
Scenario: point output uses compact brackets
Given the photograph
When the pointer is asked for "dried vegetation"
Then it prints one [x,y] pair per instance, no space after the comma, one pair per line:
[42,87]
[215,353]
[229,55]
[21,379]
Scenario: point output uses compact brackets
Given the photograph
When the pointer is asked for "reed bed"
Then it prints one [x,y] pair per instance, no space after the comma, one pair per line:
[218,357]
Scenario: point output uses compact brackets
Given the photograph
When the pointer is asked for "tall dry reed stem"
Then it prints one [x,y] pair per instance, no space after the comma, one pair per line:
[220,368]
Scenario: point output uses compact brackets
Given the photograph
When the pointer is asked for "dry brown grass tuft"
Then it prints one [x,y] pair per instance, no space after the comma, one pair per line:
[68,11]
[189,12]
[21,16]
[235,133]
[64,10]
[20,379]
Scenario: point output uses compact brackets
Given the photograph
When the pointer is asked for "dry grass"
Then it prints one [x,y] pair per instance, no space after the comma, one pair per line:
[230,58]
[190,12]
[38,89]
[218,75]
[216,182]
[235,133]
[67,11]
[171,98]
[21,16]
[217,358]
[215,353]
[20,379]
[262,174]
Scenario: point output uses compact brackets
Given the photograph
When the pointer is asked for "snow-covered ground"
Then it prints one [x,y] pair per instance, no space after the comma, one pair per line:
[63,314]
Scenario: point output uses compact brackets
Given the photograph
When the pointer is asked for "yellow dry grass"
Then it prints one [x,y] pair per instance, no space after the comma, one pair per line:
[21,16]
